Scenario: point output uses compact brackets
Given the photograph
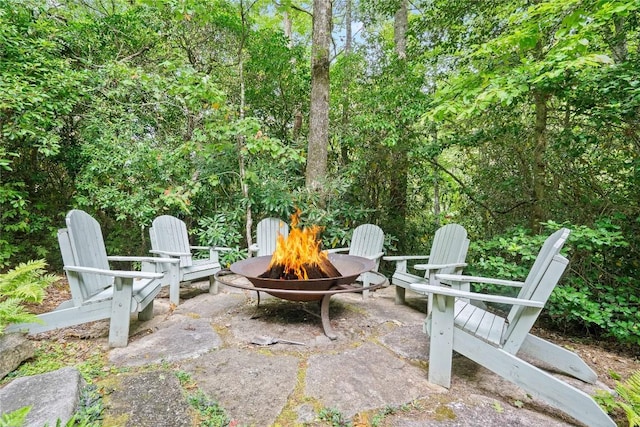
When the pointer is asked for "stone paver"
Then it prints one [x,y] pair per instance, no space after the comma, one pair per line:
[252,386]
[181,338]
[378,364]
[147,399]
[52,396]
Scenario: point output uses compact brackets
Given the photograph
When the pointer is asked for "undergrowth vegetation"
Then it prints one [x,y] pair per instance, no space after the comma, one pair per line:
[25,283]
[598,294]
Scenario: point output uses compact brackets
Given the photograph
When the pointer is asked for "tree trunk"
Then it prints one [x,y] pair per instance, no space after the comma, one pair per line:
[436,200]
[286,22]
[240,138]
[349,36]
[400,24]
[400,152]
[319,113]
[539,165]
[618,40]
[346,102]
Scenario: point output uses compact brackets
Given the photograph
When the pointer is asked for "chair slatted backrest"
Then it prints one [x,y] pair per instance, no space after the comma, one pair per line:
[82,245]
[450,245]
[367,240]
[169,233]
[544,275]
[267,233]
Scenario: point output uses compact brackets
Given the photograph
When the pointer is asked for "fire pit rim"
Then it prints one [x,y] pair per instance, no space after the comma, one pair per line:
[350,266]
[365,264]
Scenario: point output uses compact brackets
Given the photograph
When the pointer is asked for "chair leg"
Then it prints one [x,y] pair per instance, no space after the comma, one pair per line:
[558,357]
[400,295]
[440,331]
[174,294]
[120,312]
[146,313]
[214,287]
[366,282]
[533,380]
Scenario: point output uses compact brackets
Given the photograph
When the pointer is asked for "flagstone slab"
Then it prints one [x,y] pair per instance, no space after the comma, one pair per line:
[52,396]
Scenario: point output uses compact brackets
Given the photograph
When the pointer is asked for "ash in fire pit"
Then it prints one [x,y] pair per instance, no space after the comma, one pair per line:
[299,256]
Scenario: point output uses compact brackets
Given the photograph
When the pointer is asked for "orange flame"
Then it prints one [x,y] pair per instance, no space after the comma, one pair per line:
[301,250]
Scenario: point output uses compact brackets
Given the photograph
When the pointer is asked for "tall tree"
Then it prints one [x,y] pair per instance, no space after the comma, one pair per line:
[518,66]
[319,112]
[400,152]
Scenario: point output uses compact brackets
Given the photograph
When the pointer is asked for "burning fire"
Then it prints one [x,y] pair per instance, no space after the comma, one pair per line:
[299,256]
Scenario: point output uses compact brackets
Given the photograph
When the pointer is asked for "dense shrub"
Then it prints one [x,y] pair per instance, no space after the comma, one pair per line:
[596,295]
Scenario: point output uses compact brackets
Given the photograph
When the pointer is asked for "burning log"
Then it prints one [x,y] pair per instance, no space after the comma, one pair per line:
[323,270]
[299,256]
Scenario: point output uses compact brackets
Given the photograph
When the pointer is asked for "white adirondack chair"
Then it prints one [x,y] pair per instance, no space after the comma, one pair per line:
[267,233]
[495,342]
[169,238]
[367,241]
[448,252]
[97,291]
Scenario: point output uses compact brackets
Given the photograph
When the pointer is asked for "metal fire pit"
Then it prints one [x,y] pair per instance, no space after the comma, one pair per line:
[304,290]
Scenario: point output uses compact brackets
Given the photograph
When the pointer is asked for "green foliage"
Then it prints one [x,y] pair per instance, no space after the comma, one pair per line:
[132,109]
[15,418]
[13,208]
[23,284]
[626,401]
[39,90]
[51,356]
[508,256]
[222,230]
[277,79]
[136,164]
[334,417]
[600,294]
[629,392]
[332,211]
[536,48]
[210,413]
[90,408]
[594,294]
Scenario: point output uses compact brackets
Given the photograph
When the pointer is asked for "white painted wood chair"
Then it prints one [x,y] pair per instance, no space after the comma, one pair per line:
[496,342]
[267,232]
[169,238]
[448,253]
[367,241]
[97,291]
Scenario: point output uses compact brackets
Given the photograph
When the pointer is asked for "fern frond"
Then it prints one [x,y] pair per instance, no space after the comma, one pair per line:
[11,311]
[27,281]
[629,392]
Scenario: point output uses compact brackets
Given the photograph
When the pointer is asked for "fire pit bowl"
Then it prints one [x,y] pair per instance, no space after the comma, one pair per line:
[348,265]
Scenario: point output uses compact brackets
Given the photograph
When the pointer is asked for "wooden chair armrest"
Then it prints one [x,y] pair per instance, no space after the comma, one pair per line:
[208,248]
[444,290]
[374,257]
[334,250]
[143,259]
[401,261]
[397,258]
[169,253]
[115,273]
[475,279]
[438,266]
